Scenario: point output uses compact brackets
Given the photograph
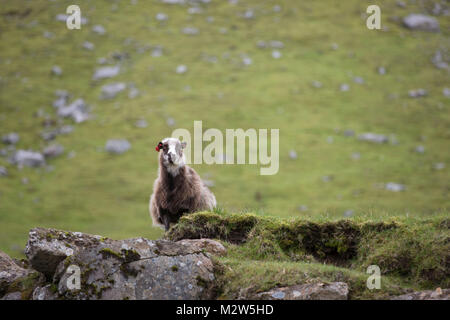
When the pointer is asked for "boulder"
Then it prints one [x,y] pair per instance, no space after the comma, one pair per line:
[28,158]
[421,22]
[438,294]
[16,282]
[121,269]
[310,291]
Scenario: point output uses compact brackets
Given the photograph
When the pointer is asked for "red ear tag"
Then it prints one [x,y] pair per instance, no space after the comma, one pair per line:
[159,146]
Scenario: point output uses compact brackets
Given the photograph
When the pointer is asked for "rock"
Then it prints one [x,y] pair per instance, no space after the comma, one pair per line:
[106,72]
[417,93]
[373,137]
[99,29]
[133,92]
[117,146]
[358,80]
[47,292]
[349,133]
[344,87]
[211,246]
[141,123]
[16,282]
[28,158]
[191,31]
[161,17]
[170,122]
[313,291]
[131,269]
[56,70]
[441,60]
[293,154]
[421,22]
[10,138]
[88,45]
[276,54]
[53,151]
[302,208]
[395,187]
[419,149]
[77,110]
[316,84]
[446,92]
[438,294]
[438,166]
[109,91]
[3,172]
[356,156]
[381,70]
[181,69]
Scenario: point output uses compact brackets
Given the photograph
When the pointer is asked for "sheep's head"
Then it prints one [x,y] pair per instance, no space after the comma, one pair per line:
[172,156]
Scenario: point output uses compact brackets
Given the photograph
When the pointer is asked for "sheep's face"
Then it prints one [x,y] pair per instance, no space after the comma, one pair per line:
[172,155]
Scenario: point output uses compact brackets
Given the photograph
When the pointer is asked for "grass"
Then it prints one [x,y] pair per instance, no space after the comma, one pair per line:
[412,253]
[102,194]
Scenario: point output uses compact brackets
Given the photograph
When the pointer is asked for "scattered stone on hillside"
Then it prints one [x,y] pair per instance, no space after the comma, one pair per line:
[77,110]
[302,208]
[161,16]
[28,158]
[123,269]
[48,34]
[133,92]
[417,93]
[88,45]
[110,90]
[438,166]
[373,137]
[358,80]
[53,151]
[421,22]
[16,282]
[276,54]
[106,72]
[441,60]
[99,29]
[330,139]
[246,60]
[381,70]
[66,129]
[438,294]
[356,155]
[56,70]
[344,87]
[446,92]
[62,98]
[157,52]
[310,291]
[4,152]
[395,187]
[349,213]
[170,122]
[141,123]
[293,154]
[419,149]
[3,172]
[276,8]
[400,4]
[191,31]
[117,146]
[10,138]
[181,69]
[349,133]
[49,135]
[248,14]
[316,84]
[327,178]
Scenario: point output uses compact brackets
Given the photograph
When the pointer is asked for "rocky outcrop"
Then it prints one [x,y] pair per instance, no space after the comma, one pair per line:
[17,282]
[120,269]
[310,291]
[438,294]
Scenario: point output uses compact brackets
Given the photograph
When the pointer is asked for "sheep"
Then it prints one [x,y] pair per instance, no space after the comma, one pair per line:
[178,189]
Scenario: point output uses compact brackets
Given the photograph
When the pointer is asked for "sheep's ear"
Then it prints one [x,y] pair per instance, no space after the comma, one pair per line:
[183,145]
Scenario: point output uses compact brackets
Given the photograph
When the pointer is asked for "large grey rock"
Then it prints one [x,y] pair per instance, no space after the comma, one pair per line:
[117,146]
[421,22]
[106,72]
[312,291]
[109,91]
[16,283]
[438,294]
[373,137]
[28,158]
[77,110]
[120,269]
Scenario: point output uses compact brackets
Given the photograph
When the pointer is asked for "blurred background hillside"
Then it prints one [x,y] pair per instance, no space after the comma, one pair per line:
[363,114]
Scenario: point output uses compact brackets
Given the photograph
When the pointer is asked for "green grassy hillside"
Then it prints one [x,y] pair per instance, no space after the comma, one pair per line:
[89,190]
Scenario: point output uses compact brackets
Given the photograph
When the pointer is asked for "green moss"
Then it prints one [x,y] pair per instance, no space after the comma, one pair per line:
[174,268]
[107,252]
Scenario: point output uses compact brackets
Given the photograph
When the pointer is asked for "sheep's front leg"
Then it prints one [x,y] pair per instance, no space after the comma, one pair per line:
[165,218]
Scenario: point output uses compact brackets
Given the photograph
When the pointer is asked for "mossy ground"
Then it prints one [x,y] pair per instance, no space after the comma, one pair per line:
[412,253]
[98,193]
